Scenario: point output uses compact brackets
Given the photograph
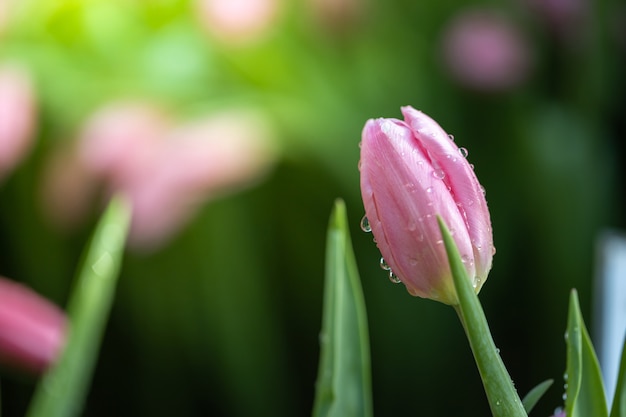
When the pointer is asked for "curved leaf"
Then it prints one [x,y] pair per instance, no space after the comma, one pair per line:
[585,390]
[343,387]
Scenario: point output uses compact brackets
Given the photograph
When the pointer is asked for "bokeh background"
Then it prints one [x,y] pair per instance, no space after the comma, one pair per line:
[218,309]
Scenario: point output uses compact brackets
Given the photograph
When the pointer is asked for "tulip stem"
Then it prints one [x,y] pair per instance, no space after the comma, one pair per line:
[501,394]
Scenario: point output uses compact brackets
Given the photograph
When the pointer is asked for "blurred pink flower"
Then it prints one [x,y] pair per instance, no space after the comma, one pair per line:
[567,19]
[166,170]
[412,172]
[32,329]
[484,51]
[17,116]
[337,15]
[193,163]
[237,21]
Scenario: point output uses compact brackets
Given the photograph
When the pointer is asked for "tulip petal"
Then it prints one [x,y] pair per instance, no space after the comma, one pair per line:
[465,188]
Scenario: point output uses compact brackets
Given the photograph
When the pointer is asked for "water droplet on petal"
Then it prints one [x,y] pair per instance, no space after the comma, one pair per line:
[365,224]
[451,137]
[483,190]
[429,190]
[383,264]
[412,261]
[394,278]
[464,152]
[439,174]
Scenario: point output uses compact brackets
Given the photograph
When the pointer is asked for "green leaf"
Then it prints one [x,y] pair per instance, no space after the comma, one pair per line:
[501,393]
[585,390]
[535,394]
[618,409]
[343,387]
[62,390]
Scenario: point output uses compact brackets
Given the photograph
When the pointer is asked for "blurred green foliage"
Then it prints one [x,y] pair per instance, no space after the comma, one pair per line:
[224,320]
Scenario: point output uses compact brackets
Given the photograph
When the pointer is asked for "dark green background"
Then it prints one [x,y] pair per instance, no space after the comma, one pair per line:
[224,320]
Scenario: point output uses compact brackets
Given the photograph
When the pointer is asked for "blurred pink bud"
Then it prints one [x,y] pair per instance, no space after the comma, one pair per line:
[237,21]
[566,19]
[196,161]
[412,172]
[68,188]
[337,15]
[32,329]
[17,116]
[484,51]
[121,139]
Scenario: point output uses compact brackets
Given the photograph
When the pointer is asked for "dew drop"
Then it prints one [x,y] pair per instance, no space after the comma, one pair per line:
[439,174]
[412,226]
[498,403]
[359,165]
[451,137]
[420,237]
[472,166]
[412,261]
[383,264]
[429,190]
[465,259]
[365,224]
[483,190]
[393,277]
[493,250]
[464,152]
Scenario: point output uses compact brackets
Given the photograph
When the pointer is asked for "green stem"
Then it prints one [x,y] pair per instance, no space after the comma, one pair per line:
[501,394]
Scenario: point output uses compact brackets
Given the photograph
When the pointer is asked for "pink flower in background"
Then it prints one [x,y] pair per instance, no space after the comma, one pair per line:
[194,162]
[166,170]
[567,19]
[32,329]
[412,172]
[484,51]
[337,15]
[17,116]
[237,21]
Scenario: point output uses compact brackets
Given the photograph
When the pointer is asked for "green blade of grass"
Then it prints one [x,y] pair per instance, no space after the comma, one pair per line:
[501,394]
[618,409]
[535,394]
[343,387]
[585,390]
[63,388]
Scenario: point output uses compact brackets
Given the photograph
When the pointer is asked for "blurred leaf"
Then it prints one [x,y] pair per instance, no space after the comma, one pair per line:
[585,391]
[62,390]
[535,394]
[501,393]
[343,386]
[618,409]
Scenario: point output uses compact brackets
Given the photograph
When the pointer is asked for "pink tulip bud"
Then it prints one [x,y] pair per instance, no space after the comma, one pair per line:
[238,21]
[17,116]
[484,51]
[32,330]
[412,172]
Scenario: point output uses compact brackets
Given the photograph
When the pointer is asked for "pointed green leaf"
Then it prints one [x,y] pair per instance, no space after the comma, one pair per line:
[343,387]
[501,393]
[535,394]
[618,409]
[62,390]
[585,390]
